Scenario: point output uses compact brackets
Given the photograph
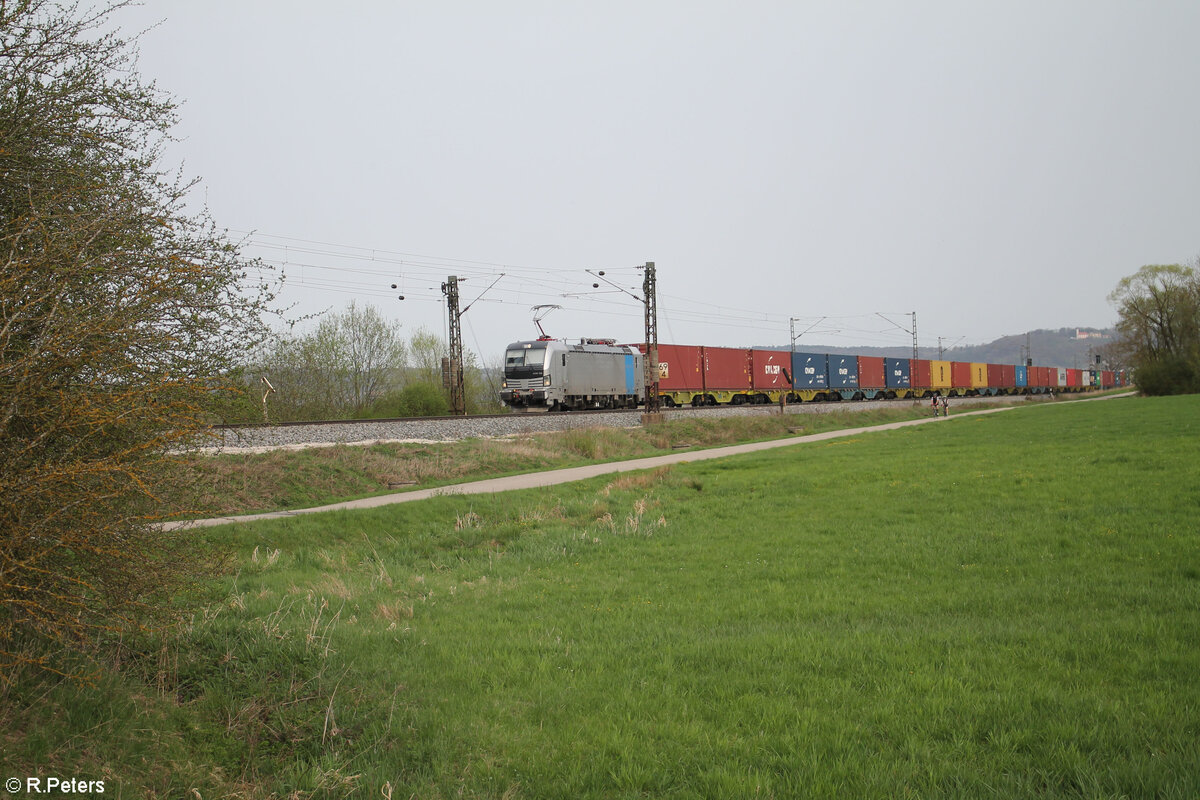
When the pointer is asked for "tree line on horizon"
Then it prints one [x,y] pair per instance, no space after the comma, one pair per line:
[354,364]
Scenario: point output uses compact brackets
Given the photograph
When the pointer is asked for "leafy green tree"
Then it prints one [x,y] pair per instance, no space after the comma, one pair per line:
[426,352]
[119,313]
[356,365]
[1159,327]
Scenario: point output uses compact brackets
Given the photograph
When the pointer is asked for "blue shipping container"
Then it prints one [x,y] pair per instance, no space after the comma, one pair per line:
[897,373]
[843,372]
[810,371]
[1022,375]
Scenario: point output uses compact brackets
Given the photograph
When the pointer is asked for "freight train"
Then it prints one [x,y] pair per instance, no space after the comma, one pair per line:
[549,374]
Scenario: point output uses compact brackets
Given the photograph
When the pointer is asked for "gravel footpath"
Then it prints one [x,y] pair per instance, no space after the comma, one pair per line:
[260,438]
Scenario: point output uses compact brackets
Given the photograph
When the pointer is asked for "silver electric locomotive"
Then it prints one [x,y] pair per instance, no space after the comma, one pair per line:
[552,374]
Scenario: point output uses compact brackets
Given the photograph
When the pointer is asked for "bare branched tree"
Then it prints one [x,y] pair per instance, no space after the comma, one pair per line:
[339,369]
[120,313]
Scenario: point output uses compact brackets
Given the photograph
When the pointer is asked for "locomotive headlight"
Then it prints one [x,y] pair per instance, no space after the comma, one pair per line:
[504,383]
[546,381]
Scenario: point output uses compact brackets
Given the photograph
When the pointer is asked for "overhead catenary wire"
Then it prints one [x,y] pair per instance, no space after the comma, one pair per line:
[352,270]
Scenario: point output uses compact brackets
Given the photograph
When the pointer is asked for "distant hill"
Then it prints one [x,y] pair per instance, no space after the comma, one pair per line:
[1064,347]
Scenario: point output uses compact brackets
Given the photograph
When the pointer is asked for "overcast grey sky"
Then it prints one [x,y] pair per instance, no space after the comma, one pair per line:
[995,167]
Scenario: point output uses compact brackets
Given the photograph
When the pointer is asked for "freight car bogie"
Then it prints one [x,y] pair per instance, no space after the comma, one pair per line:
[676,399]
[751,399]
[595,402]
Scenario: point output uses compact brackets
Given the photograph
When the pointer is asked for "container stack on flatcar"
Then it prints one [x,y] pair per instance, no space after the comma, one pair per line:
[898,374]
[597,373]
[771,374]
[810,376]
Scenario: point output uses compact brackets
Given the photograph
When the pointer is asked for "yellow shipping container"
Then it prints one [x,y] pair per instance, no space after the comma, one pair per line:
[939,374]
[979,376]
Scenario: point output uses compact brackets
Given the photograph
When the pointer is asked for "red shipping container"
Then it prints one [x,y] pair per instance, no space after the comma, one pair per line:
[726,368]
[1008,376]
[1107,379]
[960,374]
[680,368]
[769,366]
[871,374]
[1072,377]
[995,375]
[919,367]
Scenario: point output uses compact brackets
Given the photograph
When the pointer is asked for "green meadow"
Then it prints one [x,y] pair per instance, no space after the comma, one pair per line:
[1001,606]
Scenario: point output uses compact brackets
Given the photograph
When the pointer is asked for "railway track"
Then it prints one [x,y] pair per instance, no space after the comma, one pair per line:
[235,426]
[251,437]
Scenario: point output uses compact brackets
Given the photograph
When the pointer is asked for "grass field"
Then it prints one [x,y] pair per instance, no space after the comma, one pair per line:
[1001,606]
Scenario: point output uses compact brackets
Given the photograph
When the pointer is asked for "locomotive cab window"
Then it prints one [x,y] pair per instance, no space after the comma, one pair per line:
[525,361]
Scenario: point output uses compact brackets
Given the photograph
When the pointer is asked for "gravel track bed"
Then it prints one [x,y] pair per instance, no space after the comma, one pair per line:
[262,438]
